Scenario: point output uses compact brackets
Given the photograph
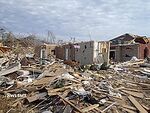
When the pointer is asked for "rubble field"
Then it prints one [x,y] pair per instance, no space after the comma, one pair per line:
[60,88]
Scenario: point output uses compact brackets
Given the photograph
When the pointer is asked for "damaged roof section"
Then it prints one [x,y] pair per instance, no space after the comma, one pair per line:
[129,39]
[126,46]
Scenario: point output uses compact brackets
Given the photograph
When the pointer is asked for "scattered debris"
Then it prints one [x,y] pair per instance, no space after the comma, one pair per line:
[59,86]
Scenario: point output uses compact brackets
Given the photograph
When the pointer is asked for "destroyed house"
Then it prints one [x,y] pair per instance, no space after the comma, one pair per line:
[124,47]
[45,51]
[65,52]
[85,52]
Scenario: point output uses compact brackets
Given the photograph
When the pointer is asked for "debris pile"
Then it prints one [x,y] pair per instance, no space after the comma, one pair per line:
[59,88]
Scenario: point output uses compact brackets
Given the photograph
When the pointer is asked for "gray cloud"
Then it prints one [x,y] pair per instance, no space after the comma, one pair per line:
[78,18]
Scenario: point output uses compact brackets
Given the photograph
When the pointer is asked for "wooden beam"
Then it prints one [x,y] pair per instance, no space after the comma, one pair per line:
[71,104]
[50,91]
[137,104]
[128,110]
[135,94]
[108,107]
[129,107]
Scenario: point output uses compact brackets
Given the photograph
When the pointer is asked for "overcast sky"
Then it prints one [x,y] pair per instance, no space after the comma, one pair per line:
[100,19]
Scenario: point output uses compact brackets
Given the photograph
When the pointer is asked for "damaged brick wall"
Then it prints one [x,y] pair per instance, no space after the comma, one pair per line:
[144,50]
[125,52]
[49,50]
[71,52]
[62,54]
[59,51]
[128,52]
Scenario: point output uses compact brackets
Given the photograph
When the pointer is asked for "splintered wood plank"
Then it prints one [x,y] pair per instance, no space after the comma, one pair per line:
[71,104]
[137,104]
[130,89]
[147,108]
[43,81]
[115,110]
[129,107]
[90,108]
[108,107]
[96,109]
[142,84]
[61,89]
[135,94]
[129,111]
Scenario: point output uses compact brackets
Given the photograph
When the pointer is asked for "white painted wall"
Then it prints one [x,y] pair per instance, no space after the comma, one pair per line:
[66,54]
[95,51]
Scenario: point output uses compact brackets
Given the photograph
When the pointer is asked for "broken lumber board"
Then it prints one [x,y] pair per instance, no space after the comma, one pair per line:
[144,84]
[99,92]
[96,91]
[128,110]
[71,104]
[137,104]
[78,76]
[95,109]
[114,109]
[148,109]
[90,108]
[64,94]
[135,94]
[54,93]
[130,89]
[10,110]
[123,105]
[129,107]
[77,81]
[31,69]
[147,98]
[108,107]
[61,89]
[43,81]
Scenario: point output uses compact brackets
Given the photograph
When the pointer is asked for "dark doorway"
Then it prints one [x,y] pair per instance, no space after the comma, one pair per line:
[112,55]
[146,52]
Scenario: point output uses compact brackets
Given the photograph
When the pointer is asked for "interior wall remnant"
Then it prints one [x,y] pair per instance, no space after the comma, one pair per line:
[105,51]
[66,54]
[102,52]
[43,56]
